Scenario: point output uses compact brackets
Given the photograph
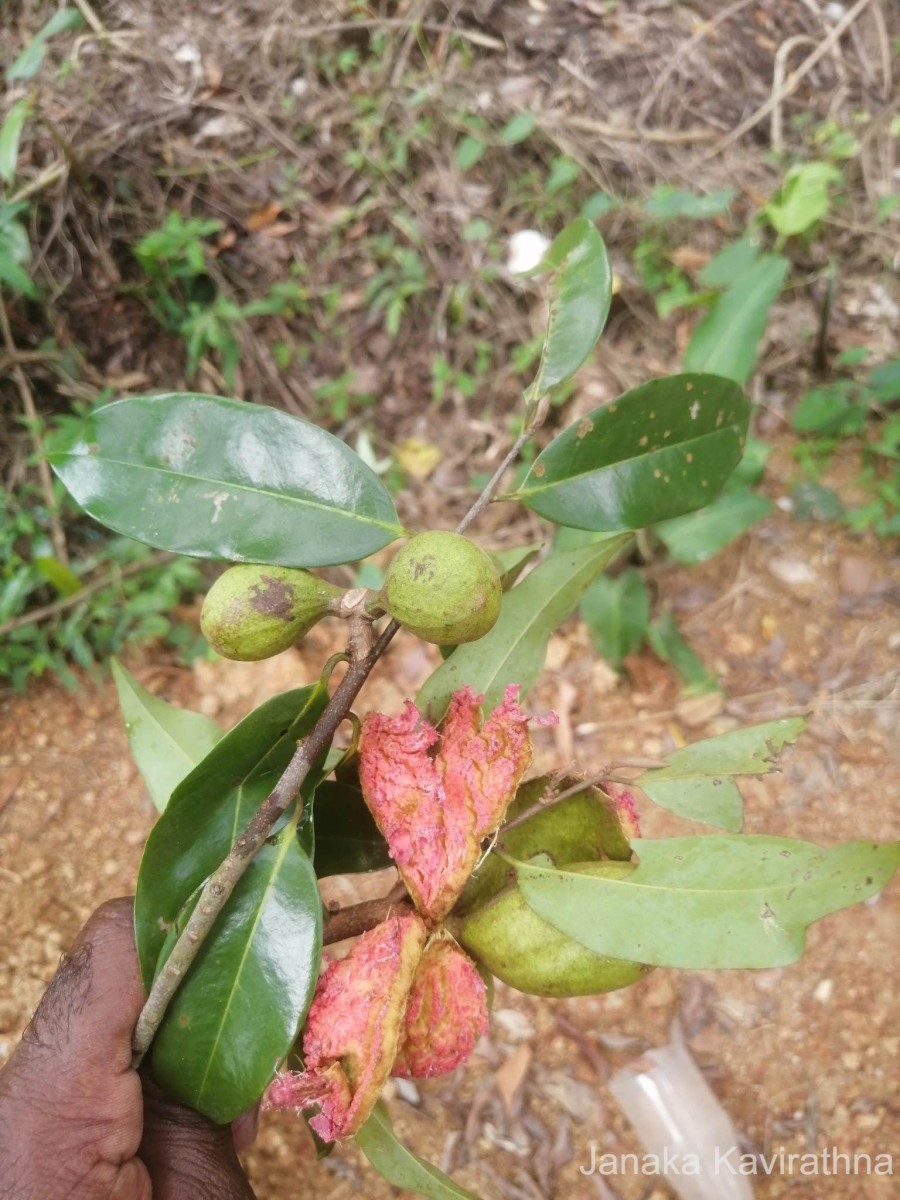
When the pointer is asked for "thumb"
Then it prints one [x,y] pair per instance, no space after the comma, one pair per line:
[186,1154]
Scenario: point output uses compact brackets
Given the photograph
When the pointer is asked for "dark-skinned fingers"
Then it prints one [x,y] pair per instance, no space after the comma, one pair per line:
[69,1085]
[188,1157]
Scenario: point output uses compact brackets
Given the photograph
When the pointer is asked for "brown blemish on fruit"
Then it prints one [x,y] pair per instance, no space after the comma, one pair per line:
[273,598]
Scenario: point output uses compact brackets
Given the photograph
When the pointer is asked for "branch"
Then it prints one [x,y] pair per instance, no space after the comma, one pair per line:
[358,918]
[363,655]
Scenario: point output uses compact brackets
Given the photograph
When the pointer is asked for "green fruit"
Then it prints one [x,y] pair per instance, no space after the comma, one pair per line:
[443,588]
[584,827]
[253,612]
[529,954]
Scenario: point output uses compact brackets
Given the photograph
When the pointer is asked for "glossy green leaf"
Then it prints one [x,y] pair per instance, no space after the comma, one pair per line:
[238,1012]
[697,537]
[515,649]
[400,1166]
[579,829]
[219,478]
[710,902]
[617,612]
[726,339]
[210,808]
[580,296]
[659,451]
[347,839]
[697,781]
[10,133]
[166,742]
[668,644]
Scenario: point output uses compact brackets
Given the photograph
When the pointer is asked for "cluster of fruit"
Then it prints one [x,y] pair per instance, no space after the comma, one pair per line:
[441,586]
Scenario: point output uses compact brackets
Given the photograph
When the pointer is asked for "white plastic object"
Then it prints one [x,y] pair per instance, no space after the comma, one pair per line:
[678,1119]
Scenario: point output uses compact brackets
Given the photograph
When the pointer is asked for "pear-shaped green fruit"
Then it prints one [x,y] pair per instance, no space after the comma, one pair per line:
[528,953]
[443,588]
[253,612]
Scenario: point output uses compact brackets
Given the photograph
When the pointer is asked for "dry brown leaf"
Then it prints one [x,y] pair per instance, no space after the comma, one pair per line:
[510,1077]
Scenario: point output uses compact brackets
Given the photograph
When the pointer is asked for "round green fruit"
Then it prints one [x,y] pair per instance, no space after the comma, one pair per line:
[253,612]
[525,951]
[443,588]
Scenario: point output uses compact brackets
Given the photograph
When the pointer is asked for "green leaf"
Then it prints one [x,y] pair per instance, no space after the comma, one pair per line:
[16,277]
[347,840]
[695,538]
[668,644]
[515,649]
[400,1166]
[884,381]
[598,204]
[725,341]
[517,129]
[10,133]
[710,902]
[667,203]
[729,264]
[661,450]
[167,742]
[803,198]
[826,410]
[617,612]
[580,296]
[563,172]
[469,152]
[697,782]
[28,63]
[56,572]
[210,808]
[219,478]
[238,1012]
[511,563]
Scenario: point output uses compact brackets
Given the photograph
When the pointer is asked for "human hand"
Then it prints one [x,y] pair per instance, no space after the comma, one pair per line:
[77,1122]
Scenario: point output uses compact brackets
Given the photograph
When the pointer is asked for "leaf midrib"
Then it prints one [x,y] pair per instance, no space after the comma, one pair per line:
[287,841]
[647,454]
[241,487]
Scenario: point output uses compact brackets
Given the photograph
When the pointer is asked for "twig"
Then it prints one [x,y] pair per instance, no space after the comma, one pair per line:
[57,535]
[363,656]
[790,85]
[491,486]
[59,606]
[91,17]
[624,133]
[358,918]
[223,881]
[606,775]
